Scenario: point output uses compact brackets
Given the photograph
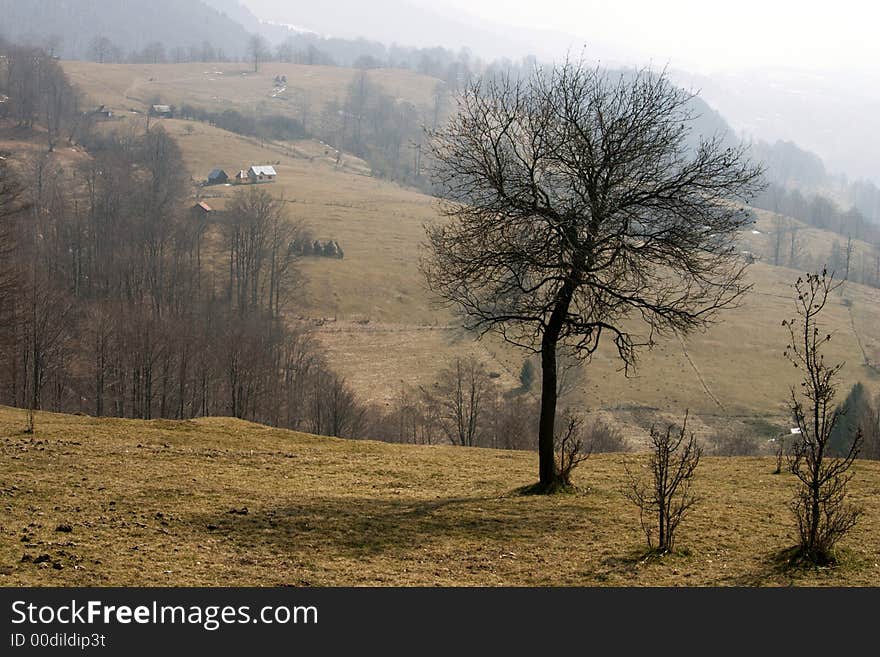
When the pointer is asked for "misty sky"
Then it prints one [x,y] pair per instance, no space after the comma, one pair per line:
[704,35]
[826,98]
[700,35]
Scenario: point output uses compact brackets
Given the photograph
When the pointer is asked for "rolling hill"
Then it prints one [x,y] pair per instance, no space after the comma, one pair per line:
[221,502]
[371,310]
[223,86]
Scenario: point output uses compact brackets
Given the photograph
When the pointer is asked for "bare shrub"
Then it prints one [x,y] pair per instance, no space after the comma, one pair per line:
[735,443]
[780,453]
[570,449]
[602,437]
[820,508]
[665,497]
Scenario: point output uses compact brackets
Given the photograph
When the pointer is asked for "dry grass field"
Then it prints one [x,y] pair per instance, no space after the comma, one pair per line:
[222,502]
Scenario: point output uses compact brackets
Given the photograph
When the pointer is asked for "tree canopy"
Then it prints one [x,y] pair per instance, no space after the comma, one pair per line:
[576,200]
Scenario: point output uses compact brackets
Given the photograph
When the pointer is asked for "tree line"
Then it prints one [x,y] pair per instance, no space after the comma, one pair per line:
[818,211]
[112,302]
[39,92]
[792,209]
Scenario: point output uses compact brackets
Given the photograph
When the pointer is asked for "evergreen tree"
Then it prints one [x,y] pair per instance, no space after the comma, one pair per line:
[852,411]
[527,375]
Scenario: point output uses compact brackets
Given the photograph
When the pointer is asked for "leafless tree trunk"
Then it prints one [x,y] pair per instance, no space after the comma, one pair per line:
[258,50]
[460,395]
[779,230]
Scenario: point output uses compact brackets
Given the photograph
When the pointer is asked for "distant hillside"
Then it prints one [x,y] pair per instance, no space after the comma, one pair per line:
[69,27]
[832,114]
[386,335]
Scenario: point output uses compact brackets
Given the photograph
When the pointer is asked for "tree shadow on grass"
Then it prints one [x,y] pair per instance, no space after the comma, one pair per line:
[358,527]
[784,567]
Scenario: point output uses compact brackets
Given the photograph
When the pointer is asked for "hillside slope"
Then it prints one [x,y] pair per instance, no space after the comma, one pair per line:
[224,86]
[225,503]
[384,333]
[379,225]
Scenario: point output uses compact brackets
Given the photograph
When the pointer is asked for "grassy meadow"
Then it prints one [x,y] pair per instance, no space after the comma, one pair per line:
[221,86]
[221,502]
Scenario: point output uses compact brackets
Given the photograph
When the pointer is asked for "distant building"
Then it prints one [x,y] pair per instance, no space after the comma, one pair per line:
[218,177]
[102,113]
[264,173]
[202,209]
[241,176]
[162,111]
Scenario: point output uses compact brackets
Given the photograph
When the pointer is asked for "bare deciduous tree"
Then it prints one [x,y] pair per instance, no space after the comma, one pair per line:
[735,443]
[820,507]
[102,50]
[871,447]
[11,205]
[258,240]
[461,395]
[258,50]
[780,226]
[575,206]
[666,496]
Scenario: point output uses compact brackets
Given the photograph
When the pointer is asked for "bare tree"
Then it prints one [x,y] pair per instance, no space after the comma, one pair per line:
[664,499]
[575,206]
[258,50]
[106,308]
[795,244]
[871,449]
[102,50]
[12,204]
[779,230]
[848,253]
[153,53]
[258,240]
[602,437]
[461,395]
[820,507]
[734,442]
[780,453]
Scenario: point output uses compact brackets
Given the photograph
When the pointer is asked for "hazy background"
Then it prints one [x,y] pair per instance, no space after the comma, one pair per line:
[799,71]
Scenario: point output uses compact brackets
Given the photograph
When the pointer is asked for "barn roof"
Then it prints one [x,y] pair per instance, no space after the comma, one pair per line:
[263,170]
[216,173]
[204,206]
